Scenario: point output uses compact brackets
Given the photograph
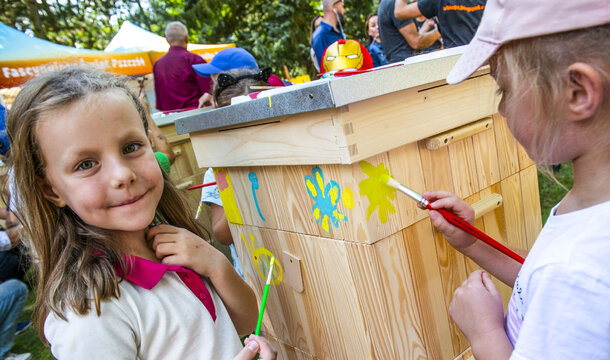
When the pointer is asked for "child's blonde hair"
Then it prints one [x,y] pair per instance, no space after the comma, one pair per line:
[539,65]
[77,262]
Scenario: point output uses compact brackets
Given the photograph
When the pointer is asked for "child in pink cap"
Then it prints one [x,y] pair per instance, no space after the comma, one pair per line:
[551,60]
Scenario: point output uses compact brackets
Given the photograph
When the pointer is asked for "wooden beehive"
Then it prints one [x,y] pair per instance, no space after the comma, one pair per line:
[363,274]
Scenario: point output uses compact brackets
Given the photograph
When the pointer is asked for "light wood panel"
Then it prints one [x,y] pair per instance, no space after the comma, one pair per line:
[486,158]
[428,282]
[463,168]
[508,157]
[457,134]
[406,325]
[513,211]
[310,138]
[387,122]
[531,204]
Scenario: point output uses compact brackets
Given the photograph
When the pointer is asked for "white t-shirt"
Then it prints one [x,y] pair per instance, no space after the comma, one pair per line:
[164,323]
[560,306]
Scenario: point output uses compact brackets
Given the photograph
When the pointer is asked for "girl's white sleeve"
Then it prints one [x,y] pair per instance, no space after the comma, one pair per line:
[91,337]
[567,318]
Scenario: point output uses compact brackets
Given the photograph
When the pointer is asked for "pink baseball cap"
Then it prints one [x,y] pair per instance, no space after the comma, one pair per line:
[506,20]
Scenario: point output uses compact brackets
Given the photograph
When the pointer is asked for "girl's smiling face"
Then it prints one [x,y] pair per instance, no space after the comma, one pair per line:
[99,161]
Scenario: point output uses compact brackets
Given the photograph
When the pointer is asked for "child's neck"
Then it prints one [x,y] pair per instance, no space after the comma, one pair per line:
[591,181]
[135,244]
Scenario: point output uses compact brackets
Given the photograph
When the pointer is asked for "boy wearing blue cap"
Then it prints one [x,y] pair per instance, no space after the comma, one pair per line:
[225,60]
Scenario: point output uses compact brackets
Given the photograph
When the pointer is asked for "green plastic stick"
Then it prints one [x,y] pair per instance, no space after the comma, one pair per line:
[264,300]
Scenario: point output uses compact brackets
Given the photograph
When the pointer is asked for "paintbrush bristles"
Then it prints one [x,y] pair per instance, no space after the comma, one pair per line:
[390,182]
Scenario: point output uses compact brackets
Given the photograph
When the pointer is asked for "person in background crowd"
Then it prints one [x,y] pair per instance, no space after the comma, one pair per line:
[374,47]
[422,22]
[177,86]
[457,22]
[225,60]
[400,38]
[315,22]
[13,294]
[330,29]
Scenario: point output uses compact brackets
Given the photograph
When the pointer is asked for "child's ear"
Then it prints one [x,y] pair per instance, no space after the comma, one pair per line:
[49,194]
[585,91]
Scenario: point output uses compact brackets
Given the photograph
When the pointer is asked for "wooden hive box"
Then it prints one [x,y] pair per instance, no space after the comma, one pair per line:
[362,272]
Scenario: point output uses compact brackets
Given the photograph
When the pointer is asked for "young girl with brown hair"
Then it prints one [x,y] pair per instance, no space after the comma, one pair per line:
[110,287]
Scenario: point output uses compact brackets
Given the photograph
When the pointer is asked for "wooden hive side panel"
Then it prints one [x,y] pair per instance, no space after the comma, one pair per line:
[513,211]
[325,319]
[413,114]
[399,290]
[486,158]
[463,167]
[531,204]
[365,265]
[494,225]
[508,154]
[436,165]
[254,196]
[427,279]
[406,168]
[307,138]
[376,215]
[453,273]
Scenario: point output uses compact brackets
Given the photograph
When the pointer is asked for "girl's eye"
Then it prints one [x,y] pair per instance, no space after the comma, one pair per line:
[86,165]
[131,148]
[500,91]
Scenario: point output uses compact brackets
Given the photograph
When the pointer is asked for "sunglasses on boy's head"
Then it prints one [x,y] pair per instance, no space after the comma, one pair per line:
[225,80]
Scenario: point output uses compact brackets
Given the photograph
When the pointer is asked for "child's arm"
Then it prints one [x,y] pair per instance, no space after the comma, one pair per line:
[477,310]
[220,225]
[490,259]
[176,246]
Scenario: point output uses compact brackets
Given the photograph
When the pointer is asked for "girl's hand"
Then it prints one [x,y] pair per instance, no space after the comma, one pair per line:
[457,237]
[178,246]
[477,309]
[256,345]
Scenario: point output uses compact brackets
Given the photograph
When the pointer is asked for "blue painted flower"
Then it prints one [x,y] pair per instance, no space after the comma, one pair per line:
[325,197]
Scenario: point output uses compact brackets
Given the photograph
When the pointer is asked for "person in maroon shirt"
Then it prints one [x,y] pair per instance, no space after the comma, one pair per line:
[177,86]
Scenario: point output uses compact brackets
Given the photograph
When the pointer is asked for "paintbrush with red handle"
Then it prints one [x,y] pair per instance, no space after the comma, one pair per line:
[452,218]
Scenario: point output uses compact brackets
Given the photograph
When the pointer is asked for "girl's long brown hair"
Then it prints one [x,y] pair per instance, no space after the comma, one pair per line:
[76,262]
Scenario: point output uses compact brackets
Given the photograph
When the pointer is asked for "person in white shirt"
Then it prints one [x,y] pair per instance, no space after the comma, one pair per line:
[111,285]
[556,99]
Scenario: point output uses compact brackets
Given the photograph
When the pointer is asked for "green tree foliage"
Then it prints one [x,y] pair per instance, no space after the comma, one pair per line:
[83,23]
[275,32]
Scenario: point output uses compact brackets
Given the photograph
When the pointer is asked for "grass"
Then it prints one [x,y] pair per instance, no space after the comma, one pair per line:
[28,341]
[550,194]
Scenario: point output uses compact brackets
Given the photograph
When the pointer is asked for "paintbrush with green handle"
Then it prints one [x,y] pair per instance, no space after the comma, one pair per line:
[264,299]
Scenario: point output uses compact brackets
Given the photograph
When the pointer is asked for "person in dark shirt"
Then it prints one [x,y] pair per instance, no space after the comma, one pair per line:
[457,20]
[422,22]
[330,29]
[400,37]
[177,86]
[374,44]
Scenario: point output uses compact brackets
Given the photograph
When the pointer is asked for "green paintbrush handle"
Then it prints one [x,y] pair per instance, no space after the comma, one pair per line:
[260,313]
